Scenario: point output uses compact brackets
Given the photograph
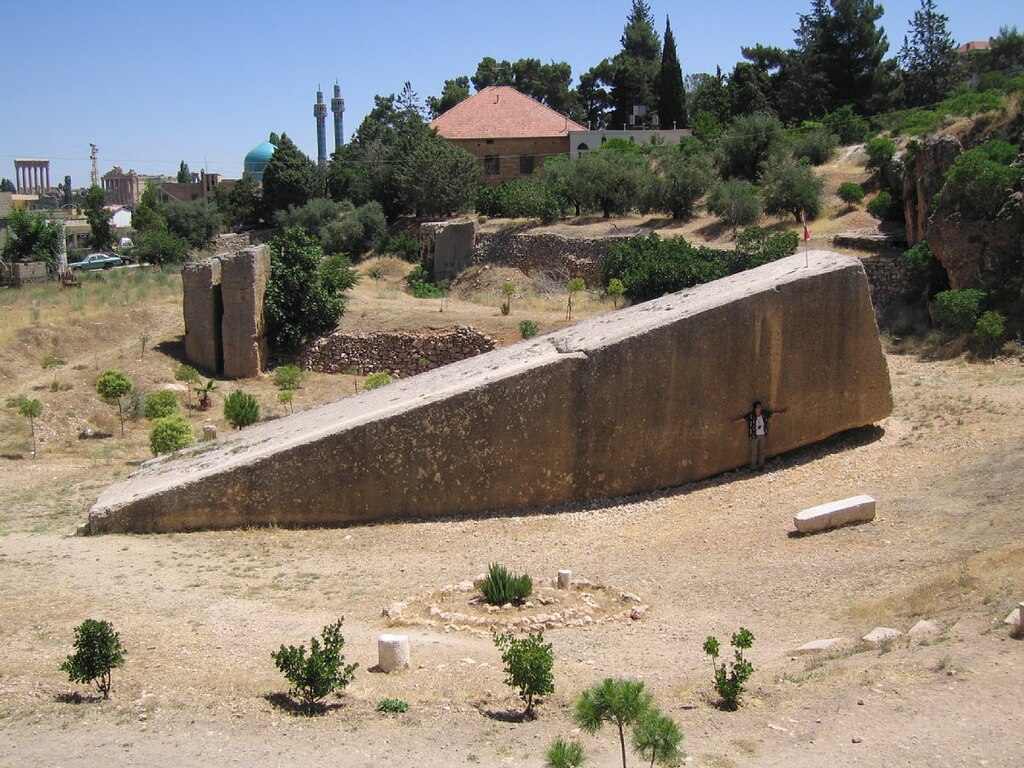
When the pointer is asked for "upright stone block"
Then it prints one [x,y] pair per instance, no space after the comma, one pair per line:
[393,652]
[448,246]
[625,402]
[202,306]
[244,277]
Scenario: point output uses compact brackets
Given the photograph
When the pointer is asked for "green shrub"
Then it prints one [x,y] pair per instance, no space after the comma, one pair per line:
[528,328]
[361,230]
[988,332]
[528,662]
[649,266]
[616,290]
[748,144]
[392,706]
[564,754]
[422,285]
[288,376]
[789,187]
[883,207]
[730,679]
[816,145]
[850,192]
[958,310]
[52,361]
[336,273]
[319,673]
[170,433]
[756,246]
[981,179]
[848,126]
[880,151]
[378,379]
[620,702]
[657,737]
[98,651]
[158,404]
[112,386]
[735,202]
[160,247]
[500,587]
[403,245]
[926,273]
[241,409]
[31,410]
[519,199]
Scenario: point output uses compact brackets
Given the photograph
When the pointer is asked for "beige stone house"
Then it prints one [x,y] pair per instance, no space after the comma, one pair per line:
[508,132]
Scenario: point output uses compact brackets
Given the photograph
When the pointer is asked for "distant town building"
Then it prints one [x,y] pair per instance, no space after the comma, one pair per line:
[974,45]
[508,132]
[32,177]
[584,141]
[122,188]
[202,187]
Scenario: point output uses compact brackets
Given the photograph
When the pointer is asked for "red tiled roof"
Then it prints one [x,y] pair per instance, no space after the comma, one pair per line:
[975,45]
[502,112]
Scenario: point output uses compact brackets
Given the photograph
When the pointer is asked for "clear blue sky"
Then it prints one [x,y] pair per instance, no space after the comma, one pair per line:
[156,82]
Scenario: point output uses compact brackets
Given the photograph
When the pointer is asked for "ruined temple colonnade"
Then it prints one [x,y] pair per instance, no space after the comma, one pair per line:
[32,177]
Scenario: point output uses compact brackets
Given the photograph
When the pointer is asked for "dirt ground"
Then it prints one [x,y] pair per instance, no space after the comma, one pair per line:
[200,613]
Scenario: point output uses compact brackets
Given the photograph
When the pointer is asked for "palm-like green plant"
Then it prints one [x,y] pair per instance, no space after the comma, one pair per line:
[616,701]
[658,736]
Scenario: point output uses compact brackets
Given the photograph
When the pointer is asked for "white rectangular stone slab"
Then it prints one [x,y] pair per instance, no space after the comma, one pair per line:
[856,509]
[881,635]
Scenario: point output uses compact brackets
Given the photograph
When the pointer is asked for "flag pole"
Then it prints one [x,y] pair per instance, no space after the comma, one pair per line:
[807,237]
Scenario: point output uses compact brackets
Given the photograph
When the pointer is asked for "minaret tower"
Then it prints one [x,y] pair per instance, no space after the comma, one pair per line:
[338,108]
[320,113]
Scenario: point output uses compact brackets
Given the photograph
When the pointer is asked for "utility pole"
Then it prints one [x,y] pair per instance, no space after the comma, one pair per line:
[95,178]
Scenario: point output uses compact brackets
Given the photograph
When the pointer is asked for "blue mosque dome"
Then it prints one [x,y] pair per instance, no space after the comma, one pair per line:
[257,159]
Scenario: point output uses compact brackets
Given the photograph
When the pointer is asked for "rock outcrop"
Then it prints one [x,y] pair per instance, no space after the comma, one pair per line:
[923,176]
[626,402]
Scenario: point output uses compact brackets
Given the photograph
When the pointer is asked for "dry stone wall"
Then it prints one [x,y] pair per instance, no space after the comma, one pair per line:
[625,402]
[564,257]
[401,353]
[889,280]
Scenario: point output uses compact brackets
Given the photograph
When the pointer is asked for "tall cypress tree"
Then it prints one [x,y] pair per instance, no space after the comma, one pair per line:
[928,57]
[671,93]
[635,68]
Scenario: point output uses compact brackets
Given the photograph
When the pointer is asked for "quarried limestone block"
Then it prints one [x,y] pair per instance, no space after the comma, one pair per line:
[393,652]
[626,402]
[564,579]
[244,277]
[856,509]
[203,308]
[817,646]
[881,635]
[448,246]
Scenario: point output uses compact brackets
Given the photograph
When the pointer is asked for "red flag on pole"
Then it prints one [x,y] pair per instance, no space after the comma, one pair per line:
[803,219]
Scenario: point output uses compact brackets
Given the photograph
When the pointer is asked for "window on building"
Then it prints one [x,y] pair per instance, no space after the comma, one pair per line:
[582,147]
[526,165]
[492,165]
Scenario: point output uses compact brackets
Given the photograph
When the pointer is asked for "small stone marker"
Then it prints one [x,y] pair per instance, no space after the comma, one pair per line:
[856,509]
[881,635]
[392,652]
[1016,618]
[816,646]
[209,431]
[564,578]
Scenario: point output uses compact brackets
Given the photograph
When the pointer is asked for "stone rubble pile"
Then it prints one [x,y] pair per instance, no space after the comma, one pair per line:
[400,353]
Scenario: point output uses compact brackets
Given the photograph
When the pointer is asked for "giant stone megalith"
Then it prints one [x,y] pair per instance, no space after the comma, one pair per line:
[626,402]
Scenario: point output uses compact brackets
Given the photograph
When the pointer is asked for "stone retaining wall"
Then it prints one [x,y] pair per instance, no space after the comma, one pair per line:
[888,280]
[400,353]
[565,257]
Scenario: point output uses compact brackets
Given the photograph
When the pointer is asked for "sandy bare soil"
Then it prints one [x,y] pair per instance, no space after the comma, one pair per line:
[200,613]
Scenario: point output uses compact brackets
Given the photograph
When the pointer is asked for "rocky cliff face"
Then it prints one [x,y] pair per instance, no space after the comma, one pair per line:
[974,251]
[923,176]
[978,252]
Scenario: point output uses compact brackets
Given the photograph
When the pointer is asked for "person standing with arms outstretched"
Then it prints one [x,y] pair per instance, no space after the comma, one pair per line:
[758,419]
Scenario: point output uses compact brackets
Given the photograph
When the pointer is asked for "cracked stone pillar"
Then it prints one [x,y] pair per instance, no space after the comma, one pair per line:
[244,277]
[202,307]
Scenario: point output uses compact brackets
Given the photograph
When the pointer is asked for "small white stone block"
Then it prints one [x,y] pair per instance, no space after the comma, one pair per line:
[564,579]
[1015,616]
[392,652]
[881,635]
[816,646]
[209,431]
[924,627]
[856,509]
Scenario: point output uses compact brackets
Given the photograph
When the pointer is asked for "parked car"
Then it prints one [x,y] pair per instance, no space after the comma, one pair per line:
[97,261]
